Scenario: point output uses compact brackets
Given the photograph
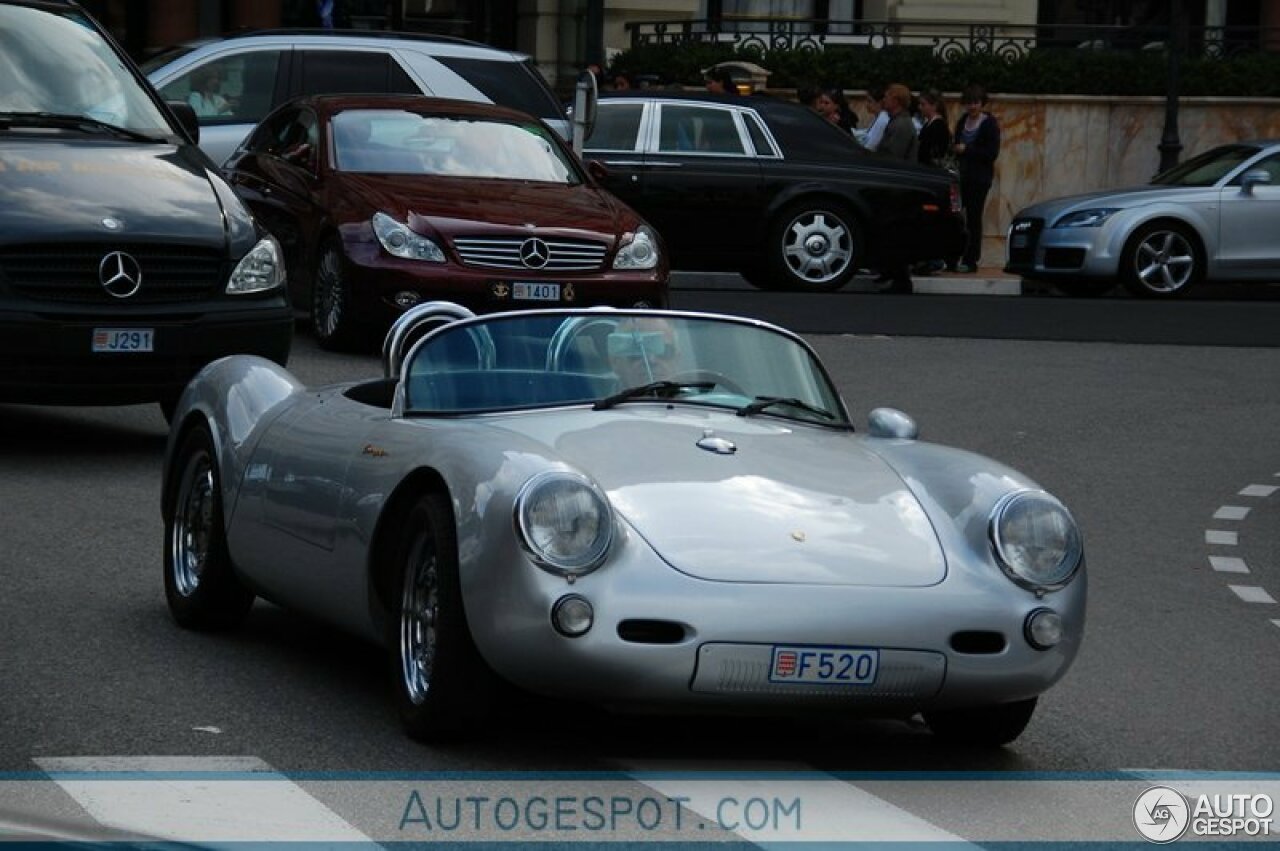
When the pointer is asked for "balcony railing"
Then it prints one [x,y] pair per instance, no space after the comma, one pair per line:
[946,39]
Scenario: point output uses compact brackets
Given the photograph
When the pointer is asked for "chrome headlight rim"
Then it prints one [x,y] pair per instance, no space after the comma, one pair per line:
[1094,217]
[259,271]
[642,239]
[400,240]
[1068,564]
[591,558]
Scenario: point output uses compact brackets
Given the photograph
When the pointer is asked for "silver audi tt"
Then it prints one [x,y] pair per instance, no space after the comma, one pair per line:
[631,507]
[1211,219]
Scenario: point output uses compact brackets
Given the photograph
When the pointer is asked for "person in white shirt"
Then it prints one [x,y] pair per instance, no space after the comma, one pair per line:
[880,118]
[205,97]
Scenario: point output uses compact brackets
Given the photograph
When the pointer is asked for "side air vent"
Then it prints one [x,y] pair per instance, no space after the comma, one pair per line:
[651,632]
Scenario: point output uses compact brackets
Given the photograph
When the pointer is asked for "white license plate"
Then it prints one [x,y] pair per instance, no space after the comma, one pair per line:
[123,339]
[526,291]
[824,665]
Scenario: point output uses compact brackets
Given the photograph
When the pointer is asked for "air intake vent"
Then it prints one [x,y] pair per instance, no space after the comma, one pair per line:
[651,632]
[977,642]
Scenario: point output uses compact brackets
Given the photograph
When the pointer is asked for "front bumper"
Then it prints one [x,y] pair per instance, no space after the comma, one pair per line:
[46,354]
[1036,252]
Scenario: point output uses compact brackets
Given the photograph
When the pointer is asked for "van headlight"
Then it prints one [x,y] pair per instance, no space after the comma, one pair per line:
[258,271]
[641,252]
[1035,540]
[400,241]
[564,523]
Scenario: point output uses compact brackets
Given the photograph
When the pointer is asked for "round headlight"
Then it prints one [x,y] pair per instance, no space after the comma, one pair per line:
[565,522]
[1035,540]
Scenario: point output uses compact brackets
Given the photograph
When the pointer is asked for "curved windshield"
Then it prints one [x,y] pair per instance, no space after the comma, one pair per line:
[1207,168]
[55,64]
[614,358]
[386,141]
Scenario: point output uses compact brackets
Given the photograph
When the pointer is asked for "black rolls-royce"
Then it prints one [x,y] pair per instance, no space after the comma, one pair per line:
[765,187]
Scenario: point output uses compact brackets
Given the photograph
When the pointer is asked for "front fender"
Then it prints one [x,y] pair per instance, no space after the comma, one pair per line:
[1127,222]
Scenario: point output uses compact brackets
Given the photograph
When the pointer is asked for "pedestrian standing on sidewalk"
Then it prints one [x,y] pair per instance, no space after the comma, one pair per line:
[977,144]
[879,119]
[935,150]
[900,143]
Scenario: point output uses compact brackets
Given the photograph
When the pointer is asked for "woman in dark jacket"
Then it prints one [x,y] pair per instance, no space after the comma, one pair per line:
[977,144]
[935,134]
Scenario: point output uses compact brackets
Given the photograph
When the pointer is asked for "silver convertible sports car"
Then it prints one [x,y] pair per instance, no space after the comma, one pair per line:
[1211,219]
[637,508]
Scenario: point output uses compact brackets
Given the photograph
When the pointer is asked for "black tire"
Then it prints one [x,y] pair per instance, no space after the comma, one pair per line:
[200,583]
[985,726]
[443,688]
[812,246]
[332,320]
[1162,260]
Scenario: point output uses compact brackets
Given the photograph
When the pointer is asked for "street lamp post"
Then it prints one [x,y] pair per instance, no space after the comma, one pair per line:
[1170,144]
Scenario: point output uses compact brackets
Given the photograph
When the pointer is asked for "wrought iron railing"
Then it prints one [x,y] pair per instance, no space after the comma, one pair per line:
[947,39]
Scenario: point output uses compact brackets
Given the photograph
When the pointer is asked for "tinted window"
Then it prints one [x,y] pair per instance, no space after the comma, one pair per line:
[758,138]
[344,71]
[292,134]
[700,129]
[514,84]
[1208,168]
[617,125]
[229,90]
[1271,165]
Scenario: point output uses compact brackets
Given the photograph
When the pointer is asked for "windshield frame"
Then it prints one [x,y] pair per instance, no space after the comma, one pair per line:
[826,387]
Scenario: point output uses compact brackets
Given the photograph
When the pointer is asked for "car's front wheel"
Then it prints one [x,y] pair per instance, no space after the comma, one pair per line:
[332,318]
[443,686]
[200,583]
[813,246]
[1162,260]
[988,726]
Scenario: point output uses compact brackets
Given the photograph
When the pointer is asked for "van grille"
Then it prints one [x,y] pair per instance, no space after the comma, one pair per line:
[69,272]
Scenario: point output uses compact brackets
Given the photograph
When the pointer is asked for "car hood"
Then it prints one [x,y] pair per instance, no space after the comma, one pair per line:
[792,504]
[1121,198]
[67,190]
[453,205]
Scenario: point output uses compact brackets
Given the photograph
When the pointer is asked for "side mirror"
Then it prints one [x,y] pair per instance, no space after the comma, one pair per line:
[598,170]
[1256,177]
[890,422]
[187,119]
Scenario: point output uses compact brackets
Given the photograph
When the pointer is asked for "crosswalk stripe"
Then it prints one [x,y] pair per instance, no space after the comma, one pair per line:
[158,797]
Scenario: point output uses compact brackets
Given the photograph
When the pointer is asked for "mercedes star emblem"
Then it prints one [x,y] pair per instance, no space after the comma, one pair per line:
[120,274]
[534,253]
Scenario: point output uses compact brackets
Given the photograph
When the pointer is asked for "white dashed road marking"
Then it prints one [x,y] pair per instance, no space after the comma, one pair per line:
[1221,538]
[1231,512]
[1259,490]
[1228,564]
[1252,593]
[171,806]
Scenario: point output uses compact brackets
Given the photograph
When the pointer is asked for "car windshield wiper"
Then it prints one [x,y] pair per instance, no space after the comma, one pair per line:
[660,389]
[73,122]
[763,402]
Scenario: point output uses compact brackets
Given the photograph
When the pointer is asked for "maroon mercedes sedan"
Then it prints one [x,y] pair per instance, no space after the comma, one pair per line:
[381,202]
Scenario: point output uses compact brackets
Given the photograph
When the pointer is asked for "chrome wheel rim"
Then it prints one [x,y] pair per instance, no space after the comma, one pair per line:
[817,246]
[193,525]
[1164,262]
[327,309]
[419,614]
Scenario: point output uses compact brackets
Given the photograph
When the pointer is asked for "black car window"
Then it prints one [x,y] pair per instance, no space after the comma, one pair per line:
[513,84]
[292,135]
[1271,165]
[348,71]
[229,90]
[617,126]
[698,129]
[759,139]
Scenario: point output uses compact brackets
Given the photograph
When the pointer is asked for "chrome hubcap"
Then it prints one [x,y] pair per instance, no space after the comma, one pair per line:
[817,247]
[419,611]
[1164,262]
[192,525]
[328,305]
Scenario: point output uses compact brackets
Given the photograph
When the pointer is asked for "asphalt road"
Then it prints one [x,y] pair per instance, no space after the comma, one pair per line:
[1144,442]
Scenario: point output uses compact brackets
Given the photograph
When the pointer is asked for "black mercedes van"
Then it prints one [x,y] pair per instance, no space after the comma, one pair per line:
[126,262]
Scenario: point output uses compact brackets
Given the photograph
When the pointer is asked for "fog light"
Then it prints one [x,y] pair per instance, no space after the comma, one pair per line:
[1043,629]
[406,299]
[572,615]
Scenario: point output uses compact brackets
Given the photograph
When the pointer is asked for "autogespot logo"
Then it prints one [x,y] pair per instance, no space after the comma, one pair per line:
[1161,814]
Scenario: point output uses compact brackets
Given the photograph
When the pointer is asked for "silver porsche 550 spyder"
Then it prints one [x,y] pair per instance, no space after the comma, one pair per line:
[636,508]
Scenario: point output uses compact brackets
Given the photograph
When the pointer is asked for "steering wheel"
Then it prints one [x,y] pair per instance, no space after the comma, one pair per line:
[693,376]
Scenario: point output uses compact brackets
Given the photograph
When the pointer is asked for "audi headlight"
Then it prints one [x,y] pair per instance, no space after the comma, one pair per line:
[1035,540]
[258,271]
[564,522]
[641,252]
[1086,218]
[400,241]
